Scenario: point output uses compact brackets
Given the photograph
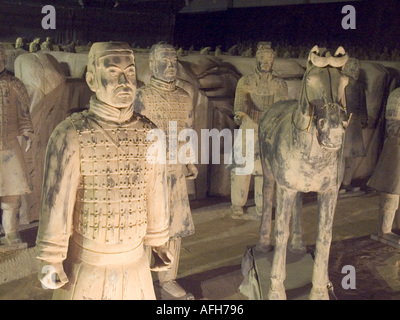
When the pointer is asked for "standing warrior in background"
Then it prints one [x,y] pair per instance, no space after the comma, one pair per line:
[15,121]
[385,177]
[102,200]
[254,94]
[356,106]
[170,107]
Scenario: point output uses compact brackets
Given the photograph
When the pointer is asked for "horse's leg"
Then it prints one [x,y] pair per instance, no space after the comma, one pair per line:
[326,209]
[240,185]
[296,243]
[264,243]
[284,202]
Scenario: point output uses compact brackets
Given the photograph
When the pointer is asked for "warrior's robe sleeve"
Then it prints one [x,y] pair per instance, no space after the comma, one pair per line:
[22,100]
[241,96]
[60,184]
[157,206]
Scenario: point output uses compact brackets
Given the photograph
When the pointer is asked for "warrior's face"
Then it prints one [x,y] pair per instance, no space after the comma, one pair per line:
[264,61]
[165,65]
[115,79]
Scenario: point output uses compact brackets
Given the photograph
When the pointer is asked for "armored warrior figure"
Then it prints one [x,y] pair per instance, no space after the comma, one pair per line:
[15,121]
[356,106]
[254,94]
[102,200]
[167,105]
[385,177]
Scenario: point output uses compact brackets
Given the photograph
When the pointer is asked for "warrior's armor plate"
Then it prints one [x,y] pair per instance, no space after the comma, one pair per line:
[256,92]
[111,199]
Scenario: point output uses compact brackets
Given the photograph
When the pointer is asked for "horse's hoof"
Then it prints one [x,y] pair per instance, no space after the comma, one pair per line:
[277,292]
[297,249]
[319,294]
[264,247]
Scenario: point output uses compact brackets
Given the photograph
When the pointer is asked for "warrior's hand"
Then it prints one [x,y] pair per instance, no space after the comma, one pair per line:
[52,275]
[238,118]
[193,172]
[162,259]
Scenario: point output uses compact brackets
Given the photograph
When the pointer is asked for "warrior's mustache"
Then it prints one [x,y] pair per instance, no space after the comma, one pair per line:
[123,89]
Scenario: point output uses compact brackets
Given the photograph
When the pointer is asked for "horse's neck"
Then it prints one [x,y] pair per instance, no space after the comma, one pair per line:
[303,128]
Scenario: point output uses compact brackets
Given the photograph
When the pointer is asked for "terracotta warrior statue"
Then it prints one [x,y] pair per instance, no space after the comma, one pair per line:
[47,45]
[254,94]
[19,43]
[385,177]
[167,105]
[102,200]
[356,106]
[15,121]
[34,46]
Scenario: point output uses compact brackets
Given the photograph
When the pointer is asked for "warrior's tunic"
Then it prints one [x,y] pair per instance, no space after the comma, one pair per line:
[14,121]
[102,200]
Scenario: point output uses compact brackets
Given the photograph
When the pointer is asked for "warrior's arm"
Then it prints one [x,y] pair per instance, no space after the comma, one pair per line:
[22,100]
[60,183]
[241,102]
[157,206]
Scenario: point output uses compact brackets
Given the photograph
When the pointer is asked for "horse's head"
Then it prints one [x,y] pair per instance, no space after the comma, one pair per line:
[324,96]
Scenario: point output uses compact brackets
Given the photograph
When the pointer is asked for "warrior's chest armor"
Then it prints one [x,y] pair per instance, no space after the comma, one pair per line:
[261,91]
[162,107]
[111,204]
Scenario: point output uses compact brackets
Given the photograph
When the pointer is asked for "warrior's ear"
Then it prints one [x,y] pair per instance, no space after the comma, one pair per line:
[90,81]
[152,65]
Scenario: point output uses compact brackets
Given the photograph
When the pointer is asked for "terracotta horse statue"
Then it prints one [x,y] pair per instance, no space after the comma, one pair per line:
[301,150]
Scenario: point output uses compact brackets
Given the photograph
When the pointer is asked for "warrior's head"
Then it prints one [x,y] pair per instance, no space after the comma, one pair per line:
[163,61]
[264,57]
[111,73]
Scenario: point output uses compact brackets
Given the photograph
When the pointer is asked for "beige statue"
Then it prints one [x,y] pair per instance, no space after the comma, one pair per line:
[15,121]
[102,200]
[167,105]
[47,45]
[218,51]
[34,46]
[356,106]
[385,177]
[19,43]
[254,94]
[205,50]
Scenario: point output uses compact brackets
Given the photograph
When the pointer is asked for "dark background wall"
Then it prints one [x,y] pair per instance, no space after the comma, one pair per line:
[144,26]
[377,23]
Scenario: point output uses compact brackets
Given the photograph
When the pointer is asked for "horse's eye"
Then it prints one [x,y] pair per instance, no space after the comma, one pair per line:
[321,123]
